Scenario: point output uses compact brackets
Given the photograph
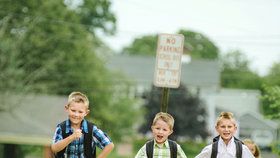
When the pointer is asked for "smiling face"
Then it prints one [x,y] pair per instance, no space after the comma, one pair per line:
[161,130]
[76,113]
[226,129]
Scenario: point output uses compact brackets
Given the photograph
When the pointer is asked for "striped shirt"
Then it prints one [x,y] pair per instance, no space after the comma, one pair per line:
[161,151]
[76,148]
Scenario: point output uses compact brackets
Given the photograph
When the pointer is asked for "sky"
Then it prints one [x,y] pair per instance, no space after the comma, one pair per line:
[250,26]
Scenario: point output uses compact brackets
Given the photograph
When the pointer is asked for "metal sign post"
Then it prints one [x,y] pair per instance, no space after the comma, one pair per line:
[168,64]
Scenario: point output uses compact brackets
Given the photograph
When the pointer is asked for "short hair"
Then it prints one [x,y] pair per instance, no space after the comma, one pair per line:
[257,149]
[78,97]
[225,115]
[164,117]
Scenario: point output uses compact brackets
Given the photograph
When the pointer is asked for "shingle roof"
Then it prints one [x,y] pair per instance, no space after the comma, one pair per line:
[30,119]
[141,69]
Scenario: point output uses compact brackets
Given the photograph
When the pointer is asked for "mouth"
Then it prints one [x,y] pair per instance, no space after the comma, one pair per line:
[159,137]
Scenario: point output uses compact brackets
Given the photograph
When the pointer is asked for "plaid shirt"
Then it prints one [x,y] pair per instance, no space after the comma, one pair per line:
[161,151]
[76,148]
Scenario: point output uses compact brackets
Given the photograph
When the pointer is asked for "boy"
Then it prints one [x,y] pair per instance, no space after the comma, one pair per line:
[226,145]
[160,146]
[76,137]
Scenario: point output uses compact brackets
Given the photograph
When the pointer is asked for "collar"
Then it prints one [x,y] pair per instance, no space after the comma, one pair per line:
[163,145]
[84,126]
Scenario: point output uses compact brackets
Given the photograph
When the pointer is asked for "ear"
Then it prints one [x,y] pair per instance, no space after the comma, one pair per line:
[66,107]
[87,112]
[171,131]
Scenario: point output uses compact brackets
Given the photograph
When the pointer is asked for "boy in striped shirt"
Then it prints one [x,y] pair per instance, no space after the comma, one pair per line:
[162,127]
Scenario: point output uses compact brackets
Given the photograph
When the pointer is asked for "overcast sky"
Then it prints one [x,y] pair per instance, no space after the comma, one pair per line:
[251,26]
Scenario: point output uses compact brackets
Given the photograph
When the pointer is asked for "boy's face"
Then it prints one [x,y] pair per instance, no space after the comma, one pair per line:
[76,112]
[161,131]
[226,129]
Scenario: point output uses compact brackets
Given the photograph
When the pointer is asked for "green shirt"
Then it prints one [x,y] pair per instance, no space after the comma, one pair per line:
[161,151]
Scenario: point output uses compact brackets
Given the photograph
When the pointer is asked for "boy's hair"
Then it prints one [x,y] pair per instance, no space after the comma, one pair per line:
[257,150]
[77,97]
[164,117]
[226,115]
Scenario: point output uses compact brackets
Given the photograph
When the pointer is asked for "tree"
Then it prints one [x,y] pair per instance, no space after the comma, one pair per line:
[50,47]
[195,44]
[236,72]
[186,108]
[145,45]
[198,46]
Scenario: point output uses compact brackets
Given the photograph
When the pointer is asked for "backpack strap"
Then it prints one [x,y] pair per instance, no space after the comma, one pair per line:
[150,148]
[62,125]
[238,145]
[173,148]
[214,149]
[88,149]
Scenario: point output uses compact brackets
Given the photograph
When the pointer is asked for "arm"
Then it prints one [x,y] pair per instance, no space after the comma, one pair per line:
[107,150]
[60,145]
[141,153]
[180,152]
[206,152]
[246,153]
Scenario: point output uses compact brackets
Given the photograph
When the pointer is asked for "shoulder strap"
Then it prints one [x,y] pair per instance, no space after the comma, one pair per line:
[214,149]
[173,148]
[238,145]
[64,135]
[88,149]
[150,148]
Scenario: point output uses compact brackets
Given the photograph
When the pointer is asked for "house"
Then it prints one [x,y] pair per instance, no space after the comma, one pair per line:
[202,77]
[30,120]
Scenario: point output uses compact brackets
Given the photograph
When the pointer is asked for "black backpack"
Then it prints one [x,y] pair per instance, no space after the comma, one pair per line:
[150,148]
[88,150]
[238,144]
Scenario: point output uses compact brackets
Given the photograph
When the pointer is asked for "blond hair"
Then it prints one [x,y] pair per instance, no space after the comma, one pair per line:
[257,150]
[225,115]
[164,117]
[77,97]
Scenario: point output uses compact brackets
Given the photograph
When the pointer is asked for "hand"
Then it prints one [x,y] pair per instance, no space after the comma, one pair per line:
[77,133]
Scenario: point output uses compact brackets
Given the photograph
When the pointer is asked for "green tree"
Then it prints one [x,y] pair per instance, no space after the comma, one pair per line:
[272,78]
[51,47]
[199,46]
[236,72]
[195,44]
[187,109]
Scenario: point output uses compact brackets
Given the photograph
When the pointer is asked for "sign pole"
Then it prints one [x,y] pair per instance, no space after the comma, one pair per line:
[164,99]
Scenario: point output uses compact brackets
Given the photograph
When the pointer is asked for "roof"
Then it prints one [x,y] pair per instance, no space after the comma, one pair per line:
[199,73]
[30,119]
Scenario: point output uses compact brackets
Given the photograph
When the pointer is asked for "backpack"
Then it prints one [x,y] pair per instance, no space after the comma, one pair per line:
[238,144]
[88,149]
[150,148]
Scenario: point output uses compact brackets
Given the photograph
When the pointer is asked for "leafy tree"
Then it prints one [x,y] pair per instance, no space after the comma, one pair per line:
[236,72]
[186,108]
[50,47]
[272,78]
[195,44]
[199,46]
[271,101]
[145,45]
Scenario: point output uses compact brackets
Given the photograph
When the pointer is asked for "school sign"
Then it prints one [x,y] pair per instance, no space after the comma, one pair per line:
[168,60]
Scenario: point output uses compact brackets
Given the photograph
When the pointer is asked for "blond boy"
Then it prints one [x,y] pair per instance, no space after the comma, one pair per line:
[76,137]
[160,146]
